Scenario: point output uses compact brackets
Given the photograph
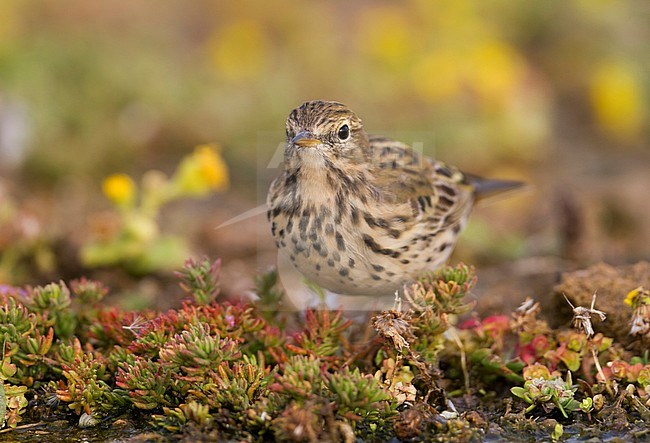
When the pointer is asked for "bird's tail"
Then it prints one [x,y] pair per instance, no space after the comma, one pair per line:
[484,187]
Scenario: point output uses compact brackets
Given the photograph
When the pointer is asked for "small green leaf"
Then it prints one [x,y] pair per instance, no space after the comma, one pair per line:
[518,391]
[557,432]
[587,404]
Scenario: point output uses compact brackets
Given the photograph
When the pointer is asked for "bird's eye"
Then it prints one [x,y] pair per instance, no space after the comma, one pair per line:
[344,132]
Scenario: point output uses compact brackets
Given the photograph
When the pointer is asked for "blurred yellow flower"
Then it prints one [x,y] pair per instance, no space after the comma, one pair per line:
[211,166]
[617,97]
[629,298]
[238,51]
[495,70]
[201,172]
[438,75]
[384,34]
[119,189]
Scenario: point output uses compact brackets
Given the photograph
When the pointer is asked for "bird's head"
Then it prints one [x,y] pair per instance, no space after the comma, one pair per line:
[321,130]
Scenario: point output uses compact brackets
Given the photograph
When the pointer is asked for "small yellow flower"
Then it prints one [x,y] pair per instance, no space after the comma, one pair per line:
[211,167]
[202,171]
[629,298]
[616,93]
[638,296]
[119,188]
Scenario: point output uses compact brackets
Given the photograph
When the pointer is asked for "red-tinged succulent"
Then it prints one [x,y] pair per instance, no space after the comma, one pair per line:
[87,381]
[147,382]
[237,321]
[89,292]
[27,339]
[235,386]
[322,335]
[535,350]
[154,333]
[442,291]
[358,396]
[113,326]
[196,351]
[200,280]
[637,373]
[495,328]
[300,378]
[571,359]
[434,301]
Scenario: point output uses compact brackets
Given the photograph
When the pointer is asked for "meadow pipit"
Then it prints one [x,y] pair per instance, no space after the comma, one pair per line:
[361,214]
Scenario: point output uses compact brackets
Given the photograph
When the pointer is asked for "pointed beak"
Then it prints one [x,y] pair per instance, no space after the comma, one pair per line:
[305,139]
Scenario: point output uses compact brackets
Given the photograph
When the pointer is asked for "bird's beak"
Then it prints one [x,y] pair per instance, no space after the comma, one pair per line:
[305,139]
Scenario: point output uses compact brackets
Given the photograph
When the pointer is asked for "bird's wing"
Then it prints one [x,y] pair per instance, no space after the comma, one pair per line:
[438,196]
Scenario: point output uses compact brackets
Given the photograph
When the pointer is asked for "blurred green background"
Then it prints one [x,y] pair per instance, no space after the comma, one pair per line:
[553,92]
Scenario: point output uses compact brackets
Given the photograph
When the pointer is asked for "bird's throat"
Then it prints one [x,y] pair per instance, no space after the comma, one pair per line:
[312,181]
[310,159]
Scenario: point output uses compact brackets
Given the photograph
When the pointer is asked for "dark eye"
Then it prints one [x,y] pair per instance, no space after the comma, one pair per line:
[344,132]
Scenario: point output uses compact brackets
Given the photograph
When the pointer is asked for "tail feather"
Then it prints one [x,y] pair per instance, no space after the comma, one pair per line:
[484,187]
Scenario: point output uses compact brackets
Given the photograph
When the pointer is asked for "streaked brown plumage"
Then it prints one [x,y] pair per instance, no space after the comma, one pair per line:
[362,214]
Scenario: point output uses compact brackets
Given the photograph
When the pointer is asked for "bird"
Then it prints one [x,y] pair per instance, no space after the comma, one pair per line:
[359,214]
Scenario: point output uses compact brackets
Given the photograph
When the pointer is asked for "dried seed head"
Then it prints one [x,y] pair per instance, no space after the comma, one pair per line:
[582,316]
[396,327]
